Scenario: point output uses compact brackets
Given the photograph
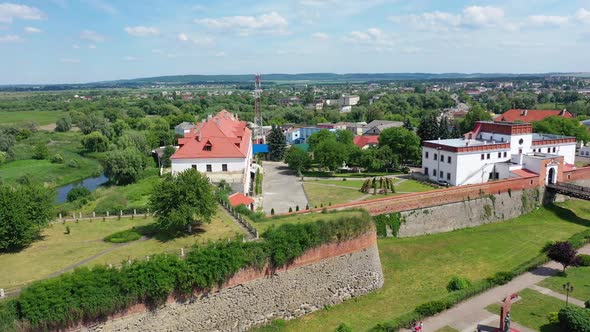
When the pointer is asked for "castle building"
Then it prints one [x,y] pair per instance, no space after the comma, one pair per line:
[497,150]
[221,148]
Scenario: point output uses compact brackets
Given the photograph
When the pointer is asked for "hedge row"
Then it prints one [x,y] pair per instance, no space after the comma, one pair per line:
[393,220]
[434,307]
[88,294]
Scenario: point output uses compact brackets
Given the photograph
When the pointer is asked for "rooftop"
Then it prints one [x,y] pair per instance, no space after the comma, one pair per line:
[460,142]
[542,137]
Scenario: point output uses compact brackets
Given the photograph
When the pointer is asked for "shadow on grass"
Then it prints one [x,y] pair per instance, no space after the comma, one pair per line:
[152,231]
[551,327]
[567,215]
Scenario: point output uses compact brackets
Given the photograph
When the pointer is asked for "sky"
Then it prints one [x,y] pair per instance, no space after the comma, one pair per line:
[76,41]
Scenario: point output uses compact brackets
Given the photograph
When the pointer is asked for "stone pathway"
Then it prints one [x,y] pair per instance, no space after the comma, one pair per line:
[467,315]
[557,295]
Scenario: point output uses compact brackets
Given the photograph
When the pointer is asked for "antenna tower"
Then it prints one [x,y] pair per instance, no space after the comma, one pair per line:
[258,136]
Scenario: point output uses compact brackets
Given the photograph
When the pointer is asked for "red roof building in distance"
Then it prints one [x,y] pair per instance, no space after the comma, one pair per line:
[220,147]
[364,142]
[520,115]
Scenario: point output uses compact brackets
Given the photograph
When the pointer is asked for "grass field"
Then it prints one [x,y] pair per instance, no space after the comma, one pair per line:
[447,329]
[418,269]
[303,218]
[579,277]
[57,250]
[40,117]
[532,310]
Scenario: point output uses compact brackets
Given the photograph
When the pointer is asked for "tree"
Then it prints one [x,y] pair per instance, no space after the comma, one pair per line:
[185,200]
[134,139]
[318,137]
[331,154]
[124,166]
[428,128]
[63,124]
[345,137]
[40,151]
[169,150]
[408,124]
[297,159]
[25,211]
[404,144]
[558,125]
[443,128]
[277,143]
[77,192]
[476,113]
[95,142]
[563,253]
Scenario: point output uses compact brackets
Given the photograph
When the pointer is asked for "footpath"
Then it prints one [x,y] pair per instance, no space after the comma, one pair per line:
[467,315]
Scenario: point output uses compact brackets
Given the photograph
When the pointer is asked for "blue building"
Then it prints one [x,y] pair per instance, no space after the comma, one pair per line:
[300,135]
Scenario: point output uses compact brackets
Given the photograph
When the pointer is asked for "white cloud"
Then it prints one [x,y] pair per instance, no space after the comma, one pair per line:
[317,3]
[103,6]
[142,31]
[374,38]
[91,36]
[92,46]
[520,44]
[320,35]
[583,15]
[10,39]
[11,11]
[220,54]
[130,58]
[204,41]
[76,46]
[541,20]
[69,60]
[482,16]
[470,17]
[272,23]
[32,30]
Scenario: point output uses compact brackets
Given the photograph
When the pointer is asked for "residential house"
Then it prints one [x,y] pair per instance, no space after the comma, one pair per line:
[365,142]
[184,128]
[375,127]
[520,115]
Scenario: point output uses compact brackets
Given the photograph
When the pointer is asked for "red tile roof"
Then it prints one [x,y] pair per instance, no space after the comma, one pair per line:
[239,199]
[513,115]
[568,167]
[362,141]
[525,173]
[222,136]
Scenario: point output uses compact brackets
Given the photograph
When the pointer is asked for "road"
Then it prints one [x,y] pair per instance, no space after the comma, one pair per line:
[281,188]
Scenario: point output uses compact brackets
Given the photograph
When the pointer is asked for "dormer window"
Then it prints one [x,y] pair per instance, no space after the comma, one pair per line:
[208,146]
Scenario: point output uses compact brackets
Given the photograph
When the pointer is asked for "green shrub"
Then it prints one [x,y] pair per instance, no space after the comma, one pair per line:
[57,159]
[393,220]
[553,317]
[587,304]
[8,315]
[123,236]
[343,328]
[458,283]
[574,319]
[73,163]
[501,278]
[431,308]
[77,192]
[583,260]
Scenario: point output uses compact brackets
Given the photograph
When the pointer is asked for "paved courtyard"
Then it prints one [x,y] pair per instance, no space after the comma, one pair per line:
[281,188]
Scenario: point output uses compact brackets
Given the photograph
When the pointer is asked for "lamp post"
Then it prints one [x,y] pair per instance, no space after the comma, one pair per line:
[568,288]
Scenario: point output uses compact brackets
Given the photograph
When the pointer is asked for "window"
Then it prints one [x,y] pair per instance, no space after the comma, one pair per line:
[442,158]
[426,155]
[224,167]
[448,176]
[434,172]
[488,156]
[554,149]
[207,147]
[209,168]
[449,159]
[482,156]
[441,174]
[548,150]
[499,154]
[520,141]
[194,166]
[505,154]
[435,156]
[426,170]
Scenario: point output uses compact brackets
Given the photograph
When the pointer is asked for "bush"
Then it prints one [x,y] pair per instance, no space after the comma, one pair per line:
[73,163]
[123,236]
[77,192]
[343,328]
[458,283]
[57,159]
[576,319]
[587,304]
[40,151]
[431,308]
[393,220]
[501,278]
[8,315]
[553,317]
[583,260]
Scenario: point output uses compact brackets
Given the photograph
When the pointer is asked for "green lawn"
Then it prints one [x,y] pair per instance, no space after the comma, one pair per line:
[40,117]
[579,277]
[532,310]
[412,186]
[418,269]
[355,184]
[319,194]
[303,218]
[57,250]
[447,329]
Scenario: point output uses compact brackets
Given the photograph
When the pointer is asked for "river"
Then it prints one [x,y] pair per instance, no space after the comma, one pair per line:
[90,183]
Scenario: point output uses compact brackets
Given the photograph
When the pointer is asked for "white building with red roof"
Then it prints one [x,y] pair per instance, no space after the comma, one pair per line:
[497,150]
[220,147]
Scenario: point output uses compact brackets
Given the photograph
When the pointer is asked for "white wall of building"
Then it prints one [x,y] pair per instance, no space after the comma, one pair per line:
[233,165]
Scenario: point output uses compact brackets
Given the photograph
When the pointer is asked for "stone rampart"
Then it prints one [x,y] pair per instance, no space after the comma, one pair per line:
[324,276]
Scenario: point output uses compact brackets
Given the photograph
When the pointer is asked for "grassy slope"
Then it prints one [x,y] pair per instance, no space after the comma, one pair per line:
[417,269]
[302,218]
[532,310]
[40,117]
[579,277]
[58,250]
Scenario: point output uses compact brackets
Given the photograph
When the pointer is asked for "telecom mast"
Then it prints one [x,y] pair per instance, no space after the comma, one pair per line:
[258,136]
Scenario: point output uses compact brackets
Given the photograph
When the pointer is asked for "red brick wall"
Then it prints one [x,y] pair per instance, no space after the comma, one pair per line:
[582,173]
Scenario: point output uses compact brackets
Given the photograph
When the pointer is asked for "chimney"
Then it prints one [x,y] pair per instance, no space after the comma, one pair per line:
[199,137]
[562,113]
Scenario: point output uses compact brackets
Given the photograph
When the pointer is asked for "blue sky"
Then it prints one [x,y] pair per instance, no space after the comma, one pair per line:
[69,41]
